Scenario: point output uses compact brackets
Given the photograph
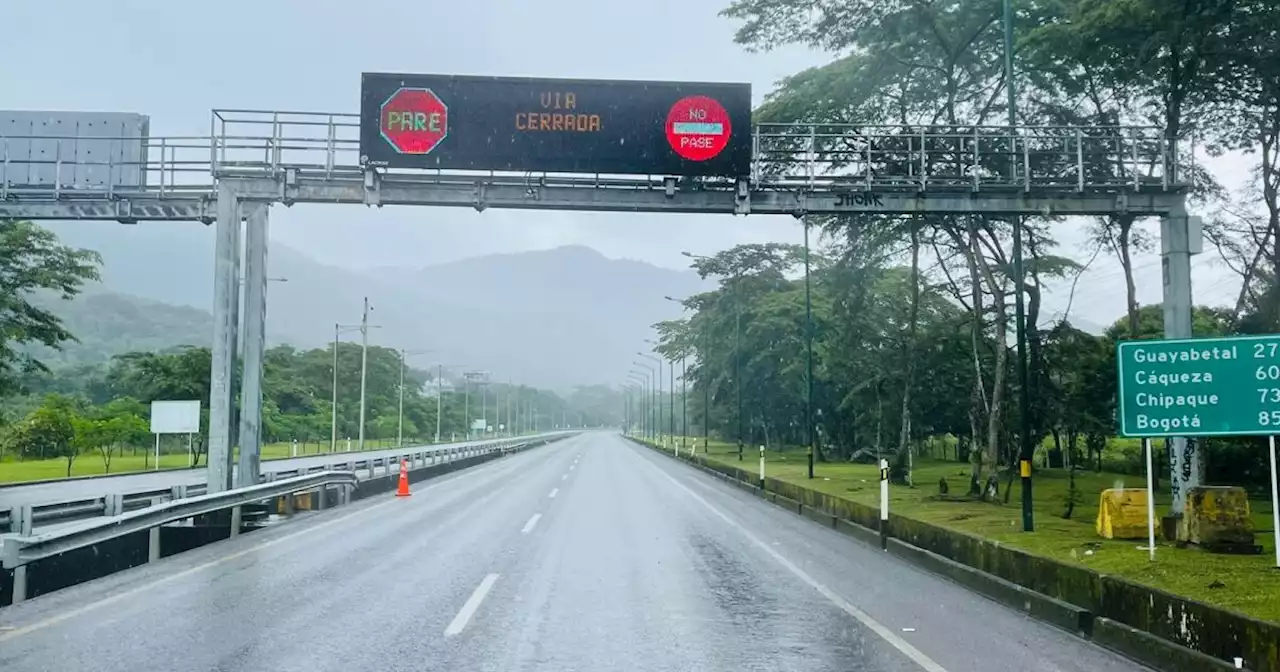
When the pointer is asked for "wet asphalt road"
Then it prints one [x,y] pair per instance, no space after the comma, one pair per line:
[589,554]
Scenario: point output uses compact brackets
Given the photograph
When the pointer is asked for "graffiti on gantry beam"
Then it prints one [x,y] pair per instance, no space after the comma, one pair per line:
[859,199]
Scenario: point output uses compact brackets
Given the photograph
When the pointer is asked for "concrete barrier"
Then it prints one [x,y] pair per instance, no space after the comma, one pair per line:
[1158,653]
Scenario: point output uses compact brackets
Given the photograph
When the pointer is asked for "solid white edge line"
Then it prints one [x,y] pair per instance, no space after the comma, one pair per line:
[554,492]
[916,655]
[469,608]
[533,520]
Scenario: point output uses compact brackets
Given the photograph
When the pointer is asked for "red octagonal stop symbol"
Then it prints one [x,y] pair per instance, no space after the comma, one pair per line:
[414,121]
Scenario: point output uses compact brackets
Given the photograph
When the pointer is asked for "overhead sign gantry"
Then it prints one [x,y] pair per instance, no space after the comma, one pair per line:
[561,144]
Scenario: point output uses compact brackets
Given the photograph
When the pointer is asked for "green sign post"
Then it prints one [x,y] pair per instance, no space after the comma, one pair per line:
[1200,387]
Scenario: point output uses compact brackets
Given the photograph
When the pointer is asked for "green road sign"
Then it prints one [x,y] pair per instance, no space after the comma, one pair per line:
[1200,386]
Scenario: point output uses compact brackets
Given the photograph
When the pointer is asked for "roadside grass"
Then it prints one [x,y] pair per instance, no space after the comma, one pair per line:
[1246,583]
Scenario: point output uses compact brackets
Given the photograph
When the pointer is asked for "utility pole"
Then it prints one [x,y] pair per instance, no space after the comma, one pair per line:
[364,366]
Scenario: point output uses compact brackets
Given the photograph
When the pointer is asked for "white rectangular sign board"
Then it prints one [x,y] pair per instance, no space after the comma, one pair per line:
[175,417]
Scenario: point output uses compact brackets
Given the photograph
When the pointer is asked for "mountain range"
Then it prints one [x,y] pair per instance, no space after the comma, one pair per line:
[555,318]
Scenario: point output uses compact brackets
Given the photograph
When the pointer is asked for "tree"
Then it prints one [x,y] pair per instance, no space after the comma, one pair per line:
[34,261]
[90,434]
[47,432]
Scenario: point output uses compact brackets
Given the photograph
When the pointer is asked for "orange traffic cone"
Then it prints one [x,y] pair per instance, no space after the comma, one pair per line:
[403,489]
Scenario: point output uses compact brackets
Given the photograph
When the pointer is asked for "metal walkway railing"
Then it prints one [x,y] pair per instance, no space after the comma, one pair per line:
[787,157]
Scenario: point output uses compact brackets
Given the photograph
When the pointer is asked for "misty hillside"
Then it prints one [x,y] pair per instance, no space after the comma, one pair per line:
[558,318]
[108,323]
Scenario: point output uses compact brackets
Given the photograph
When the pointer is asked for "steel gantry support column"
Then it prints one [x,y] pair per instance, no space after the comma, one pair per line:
[226,295]
[1179,239]
[255,324]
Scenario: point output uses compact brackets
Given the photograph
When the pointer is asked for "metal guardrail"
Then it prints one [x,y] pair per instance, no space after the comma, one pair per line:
[785,157]
[20,550]
[114,504]
[16,552]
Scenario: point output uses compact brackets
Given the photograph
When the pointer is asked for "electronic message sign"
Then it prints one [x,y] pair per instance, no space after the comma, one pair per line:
[555,125]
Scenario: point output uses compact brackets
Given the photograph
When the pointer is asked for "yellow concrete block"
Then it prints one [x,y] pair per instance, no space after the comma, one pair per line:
[1217,515]
[1122,513]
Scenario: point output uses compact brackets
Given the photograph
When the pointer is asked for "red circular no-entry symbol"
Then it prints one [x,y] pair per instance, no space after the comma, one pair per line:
[414,121]
[698,128]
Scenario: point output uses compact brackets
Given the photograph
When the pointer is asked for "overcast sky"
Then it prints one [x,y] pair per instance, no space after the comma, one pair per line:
[175,61]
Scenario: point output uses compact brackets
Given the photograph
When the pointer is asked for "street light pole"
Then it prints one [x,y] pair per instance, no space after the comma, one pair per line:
[333,413]
[684,400]
[808,337]
[657,397]
[706,395]
[400,423]
[737,358]
[1019,279]
[364,366]
[439,397]
[655,407]
[671,399]
[400,406]
[646,405]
